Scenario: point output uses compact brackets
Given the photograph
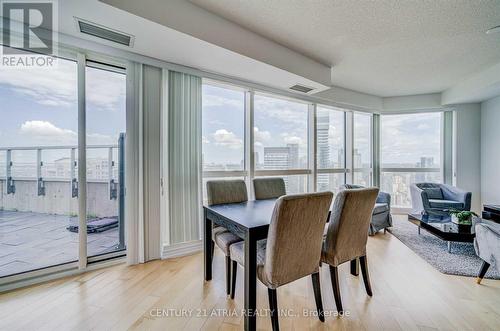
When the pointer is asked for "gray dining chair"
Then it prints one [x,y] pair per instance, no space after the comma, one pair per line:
[347,235]
[269,188]
[220,192]
[292,249]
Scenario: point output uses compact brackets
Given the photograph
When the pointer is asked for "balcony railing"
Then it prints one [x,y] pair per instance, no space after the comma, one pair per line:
[62,177]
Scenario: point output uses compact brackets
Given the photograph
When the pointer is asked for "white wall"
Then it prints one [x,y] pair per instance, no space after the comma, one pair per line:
[467,165]
[490,151]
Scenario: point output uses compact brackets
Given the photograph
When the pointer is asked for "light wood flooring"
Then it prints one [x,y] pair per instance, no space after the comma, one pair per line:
[409,294]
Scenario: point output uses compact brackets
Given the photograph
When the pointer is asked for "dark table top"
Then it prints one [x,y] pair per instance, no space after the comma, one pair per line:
[249,214]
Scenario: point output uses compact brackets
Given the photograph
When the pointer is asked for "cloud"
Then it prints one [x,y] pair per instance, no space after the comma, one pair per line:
[105,90]
[53,87]
[46,133]
[292,113]
[222,137]
[261,136]
[205,140]
[291,139]
[57,86]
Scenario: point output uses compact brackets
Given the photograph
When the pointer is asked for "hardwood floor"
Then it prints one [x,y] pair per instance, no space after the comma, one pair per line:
[408,294]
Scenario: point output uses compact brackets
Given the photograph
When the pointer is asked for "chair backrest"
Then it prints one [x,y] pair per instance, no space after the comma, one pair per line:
[433,190]
[348,228]
[295,237]
[226,191]
[351,186]
[268,188]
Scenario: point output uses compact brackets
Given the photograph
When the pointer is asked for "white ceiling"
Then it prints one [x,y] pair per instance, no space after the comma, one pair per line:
[384,47]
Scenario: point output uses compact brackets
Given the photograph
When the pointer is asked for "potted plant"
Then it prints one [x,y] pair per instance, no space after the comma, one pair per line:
[461,217]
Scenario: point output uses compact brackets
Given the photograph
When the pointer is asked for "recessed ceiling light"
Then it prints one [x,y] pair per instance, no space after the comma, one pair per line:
[495,29]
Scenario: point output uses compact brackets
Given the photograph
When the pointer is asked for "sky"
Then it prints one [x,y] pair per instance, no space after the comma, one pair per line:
[404,138]
[38,107]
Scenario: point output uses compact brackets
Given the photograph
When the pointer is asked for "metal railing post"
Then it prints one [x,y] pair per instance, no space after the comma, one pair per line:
[111,182]
[9,182]
[74,181]
[39,179]
[121,198]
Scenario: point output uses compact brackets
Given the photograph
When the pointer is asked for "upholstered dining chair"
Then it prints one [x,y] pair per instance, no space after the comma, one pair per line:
[268,188]
[219,192]
[347,235]
[293,246]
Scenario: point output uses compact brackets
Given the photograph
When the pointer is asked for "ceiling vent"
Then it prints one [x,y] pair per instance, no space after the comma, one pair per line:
[99,31]
[301,88]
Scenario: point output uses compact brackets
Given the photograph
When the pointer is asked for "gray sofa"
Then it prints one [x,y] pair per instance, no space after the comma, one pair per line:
[437,199]
[381,216]
[487,245]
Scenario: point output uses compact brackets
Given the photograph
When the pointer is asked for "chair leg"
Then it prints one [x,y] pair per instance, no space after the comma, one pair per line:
[213,248]
[334,275]
[354,267]
[233,278]
[317,296]
[482,272]
[273,307]
[228,275]
[364,272]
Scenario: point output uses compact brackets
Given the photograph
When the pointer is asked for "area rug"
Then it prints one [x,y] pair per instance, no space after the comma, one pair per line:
[461,261]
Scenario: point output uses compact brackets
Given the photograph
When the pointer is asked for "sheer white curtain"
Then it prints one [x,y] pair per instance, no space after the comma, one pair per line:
[184,157]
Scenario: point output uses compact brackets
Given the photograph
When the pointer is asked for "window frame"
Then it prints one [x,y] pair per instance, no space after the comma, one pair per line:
[312,171]
[440,169]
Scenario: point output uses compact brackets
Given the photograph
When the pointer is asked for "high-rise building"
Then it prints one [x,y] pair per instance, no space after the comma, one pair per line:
[284,158]
[322,138]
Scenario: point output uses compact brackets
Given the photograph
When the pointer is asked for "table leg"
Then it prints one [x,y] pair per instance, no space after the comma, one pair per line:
[449,246]
[207,246]
[250,282]
[419,230]
[355,267]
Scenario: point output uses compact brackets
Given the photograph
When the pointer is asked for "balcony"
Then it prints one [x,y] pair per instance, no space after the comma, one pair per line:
[36,212]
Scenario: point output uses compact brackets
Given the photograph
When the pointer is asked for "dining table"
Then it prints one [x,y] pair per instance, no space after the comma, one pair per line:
[250,221]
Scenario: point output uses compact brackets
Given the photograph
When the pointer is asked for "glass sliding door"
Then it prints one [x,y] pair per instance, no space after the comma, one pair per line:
[39,147]
[105,125]
[38,140]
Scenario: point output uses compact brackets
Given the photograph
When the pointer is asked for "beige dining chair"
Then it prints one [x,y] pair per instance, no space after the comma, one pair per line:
[293,246]
[220,192]
[268,188]
[347,235]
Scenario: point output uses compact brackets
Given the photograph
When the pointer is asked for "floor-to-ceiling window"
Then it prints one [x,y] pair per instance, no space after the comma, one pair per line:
[249,134]
[362,149]
[38,128]
[39,145]
[410,147]
[223,131]
[281,141]
[330,148]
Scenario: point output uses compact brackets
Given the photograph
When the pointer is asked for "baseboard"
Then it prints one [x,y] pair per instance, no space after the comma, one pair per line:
[182,249]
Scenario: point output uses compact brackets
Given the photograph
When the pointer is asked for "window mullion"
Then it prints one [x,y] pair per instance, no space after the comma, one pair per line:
[349,147]
[249,140]
[312,146]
